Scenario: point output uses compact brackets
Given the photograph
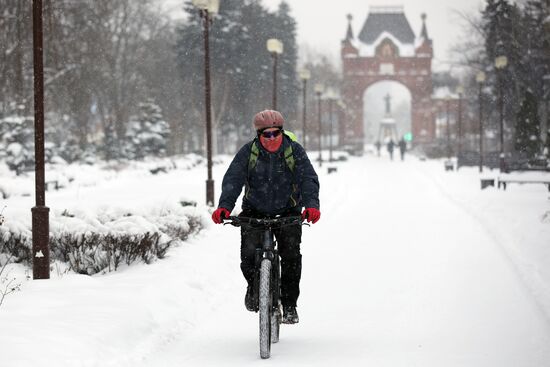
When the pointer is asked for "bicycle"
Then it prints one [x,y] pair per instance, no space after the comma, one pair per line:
[268,276]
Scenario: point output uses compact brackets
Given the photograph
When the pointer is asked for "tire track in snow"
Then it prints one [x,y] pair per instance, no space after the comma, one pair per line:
[368,297]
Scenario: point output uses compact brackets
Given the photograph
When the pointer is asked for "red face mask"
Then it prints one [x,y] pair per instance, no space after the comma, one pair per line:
[273,144]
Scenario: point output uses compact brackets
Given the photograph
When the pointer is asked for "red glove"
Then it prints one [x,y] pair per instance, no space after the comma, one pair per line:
[219,214]
[311,214]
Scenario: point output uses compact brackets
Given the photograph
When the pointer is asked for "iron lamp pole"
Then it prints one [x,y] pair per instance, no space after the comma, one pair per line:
[319,88]
[208,8]
[40,212]
[304,76]
[500,64]
[331,96]
[275,47]
[448,132]
[460,91]
[480,79]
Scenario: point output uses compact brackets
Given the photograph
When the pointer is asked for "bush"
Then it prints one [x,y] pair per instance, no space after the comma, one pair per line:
[110,243]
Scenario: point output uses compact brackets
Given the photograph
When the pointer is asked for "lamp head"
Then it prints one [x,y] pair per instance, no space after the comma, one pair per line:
[275,46]
[319,88]
[480,77]
[305,74]
[212,6]
[501,62]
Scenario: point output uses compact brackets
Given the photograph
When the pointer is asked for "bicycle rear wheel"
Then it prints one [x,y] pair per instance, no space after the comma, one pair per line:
[277,314]
[276,320]
[265,309]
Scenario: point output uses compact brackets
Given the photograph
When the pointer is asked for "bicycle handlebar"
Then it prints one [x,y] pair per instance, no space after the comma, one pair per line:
[266,222]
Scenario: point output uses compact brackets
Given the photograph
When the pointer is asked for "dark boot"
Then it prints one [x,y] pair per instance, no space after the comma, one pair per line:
[249,299]
[290,315]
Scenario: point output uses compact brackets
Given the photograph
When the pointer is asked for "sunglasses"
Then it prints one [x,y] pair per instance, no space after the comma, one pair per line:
[271,134]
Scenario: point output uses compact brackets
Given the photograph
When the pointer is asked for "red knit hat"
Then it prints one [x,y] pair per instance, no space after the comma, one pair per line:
[268,118]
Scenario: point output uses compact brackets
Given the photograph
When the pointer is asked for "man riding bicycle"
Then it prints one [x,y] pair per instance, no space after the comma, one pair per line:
[279,180]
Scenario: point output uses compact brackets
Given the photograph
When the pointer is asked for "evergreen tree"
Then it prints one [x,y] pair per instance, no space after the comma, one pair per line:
[528,140]
[148,136]
[502,28]
[285,30]
[534,62]
[17,142]
[241,66]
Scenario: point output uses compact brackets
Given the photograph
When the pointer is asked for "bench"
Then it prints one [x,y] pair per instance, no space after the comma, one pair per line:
[449,165]
[159,169]
[55,184]
[486,182]
[505,181]
[332,169]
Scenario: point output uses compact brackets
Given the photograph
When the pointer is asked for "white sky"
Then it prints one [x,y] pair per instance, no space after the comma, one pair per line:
[323,24]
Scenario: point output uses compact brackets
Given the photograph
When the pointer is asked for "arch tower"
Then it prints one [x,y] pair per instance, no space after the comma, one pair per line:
[387,49]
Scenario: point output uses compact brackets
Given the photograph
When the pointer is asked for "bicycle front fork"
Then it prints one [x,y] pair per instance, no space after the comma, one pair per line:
[268,251]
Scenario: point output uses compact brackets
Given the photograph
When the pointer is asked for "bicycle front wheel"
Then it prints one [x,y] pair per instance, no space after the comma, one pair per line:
[265,308]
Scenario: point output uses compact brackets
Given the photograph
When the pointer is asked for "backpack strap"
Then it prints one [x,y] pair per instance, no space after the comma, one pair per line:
[291,164]
[291,135]
[253,158]
[289,158]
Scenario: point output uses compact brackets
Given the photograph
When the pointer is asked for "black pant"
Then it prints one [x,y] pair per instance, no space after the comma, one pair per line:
[288,244]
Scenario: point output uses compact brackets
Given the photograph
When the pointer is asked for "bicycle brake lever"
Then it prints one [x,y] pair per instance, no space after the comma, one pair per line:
[232,223]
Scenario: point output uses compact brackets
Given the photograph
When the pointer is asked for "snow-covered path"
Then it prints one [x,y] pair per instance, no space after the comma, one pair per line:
[394,274]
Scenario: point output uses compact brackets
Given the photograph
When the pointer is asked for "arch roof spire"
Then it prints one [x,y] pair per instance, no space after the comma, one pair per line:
[424,32]
[349,33]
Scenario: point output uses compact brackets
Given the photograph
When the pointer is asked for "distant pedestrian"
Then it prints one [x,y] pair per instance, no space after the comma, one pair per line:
[402,148]
[378,145]
[390,146]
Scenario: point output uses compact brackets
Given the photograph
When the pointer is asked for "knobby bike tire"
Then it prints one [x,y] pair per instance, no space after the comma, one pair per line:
[276,320]
[265,309]
[277,315]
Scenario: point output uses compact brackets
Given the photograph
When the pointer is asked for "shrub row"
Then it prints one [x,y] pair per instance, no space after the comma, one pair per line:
[92,252]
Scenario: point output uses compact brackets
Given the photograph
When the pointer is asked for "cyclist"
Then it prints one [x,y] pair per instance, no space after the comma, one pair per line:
[279,180]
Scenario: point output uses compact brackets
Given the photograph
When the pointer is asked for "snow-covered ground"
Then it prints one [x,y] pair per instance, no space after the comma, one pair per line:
[409,266]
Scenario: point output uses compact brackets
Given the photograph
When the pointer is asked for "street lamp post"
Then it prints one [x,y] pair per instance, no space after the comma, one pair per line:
[319,88]
[480,79]
[331,96]
[500,63]
[546,99]
[447,103]
[275,47]
[460,91]
[40,212]
[304,76]
[342,107]
[207,8]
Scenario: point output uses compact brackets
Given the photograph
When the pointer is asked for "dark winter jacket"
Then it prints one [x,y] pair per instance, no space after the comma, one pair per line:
[270,187]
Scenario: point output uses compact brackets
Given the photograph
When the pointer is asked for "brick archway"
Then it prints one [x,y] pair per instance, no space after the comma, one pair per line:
[387,50]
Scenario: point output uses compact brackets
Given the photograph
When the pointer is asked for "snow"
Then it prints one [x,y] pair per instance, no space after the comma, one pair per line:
[409,265]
